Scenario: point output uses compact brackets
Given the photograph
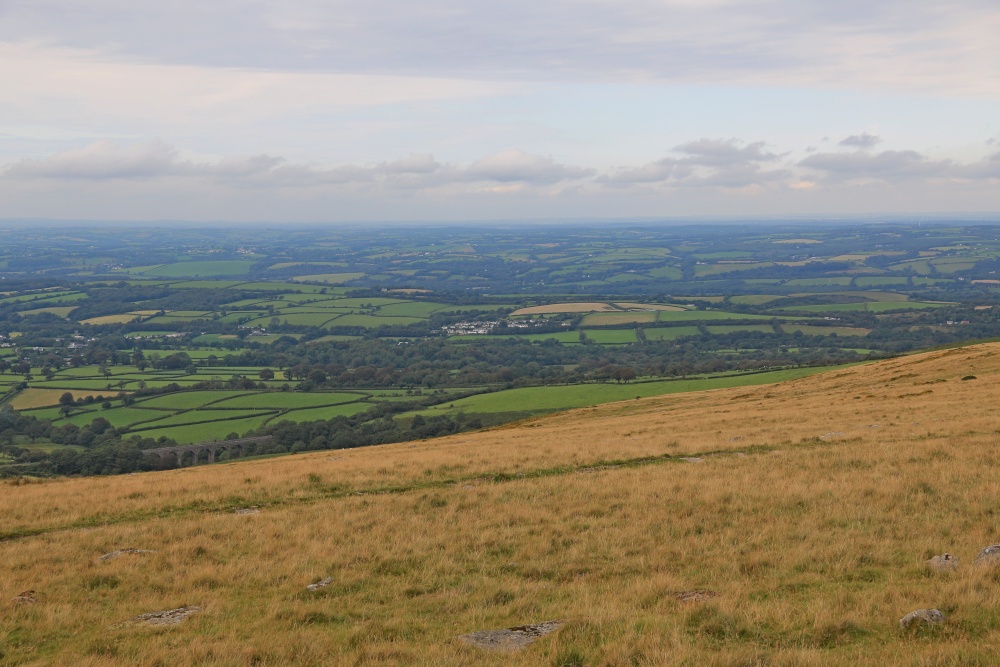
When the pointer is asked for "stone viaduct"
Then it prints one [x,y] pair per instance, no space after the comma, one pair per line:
[212,448]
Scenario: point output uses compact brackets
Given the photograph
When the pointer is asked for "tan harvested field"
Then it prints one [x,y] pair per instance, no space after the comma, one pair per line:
[578,307]
[40,398]
[810,508]
[111,319]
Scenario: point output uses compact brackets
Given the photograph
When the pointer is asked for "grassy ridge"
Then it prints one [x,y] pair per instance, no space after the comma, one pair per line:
[810,513]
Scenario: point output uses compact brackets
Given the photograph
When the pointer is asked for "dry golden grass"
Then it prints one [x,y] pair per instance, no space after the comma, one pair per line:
[811,523]
[39,398]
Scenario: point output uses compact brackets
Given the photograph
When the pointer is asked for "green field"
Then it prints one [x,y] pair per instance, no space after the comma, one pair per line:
[283,400]
[611,336]
[705,316]
[548,399]
[755,299]
[871,306]
[728,329]
[195,268]
[186,400]
[825,331]
[195,433]
[612,319]
[670,333]
[317,414]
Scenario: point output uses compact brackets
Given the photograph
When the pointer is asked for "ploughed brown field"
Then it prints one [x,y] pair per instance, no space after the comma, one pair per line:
[803,512]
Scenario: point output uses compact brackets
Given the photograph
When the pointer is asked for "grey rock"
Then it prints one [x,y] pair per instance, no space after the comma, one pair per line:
[122,552]
[695,596]
[511,639]
[247,510]
[943,563]
[169,617]
[921,617]
[988,556]
[323,583]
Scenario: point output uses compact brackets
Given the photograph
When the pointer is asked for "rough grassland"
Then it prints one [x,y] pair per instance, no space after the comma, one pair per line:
[811,512]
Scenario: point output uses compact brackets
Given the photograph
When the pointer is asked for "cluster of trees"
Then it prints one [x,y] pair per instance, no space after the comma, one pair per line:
[94,449]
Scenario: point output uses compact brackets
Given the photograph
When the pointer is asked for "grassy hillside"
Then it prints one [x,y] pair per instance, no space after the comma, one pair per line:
[808,506]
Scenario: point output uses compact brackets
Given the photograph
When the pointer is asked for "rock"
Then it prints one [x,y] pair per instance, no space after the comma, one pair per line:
[122,552]
[511,639]
[169,617]
[26,597]
[988,556]
[943,563]
[320,584]
[692,459]
[695,596]
[247,510]
[921,617]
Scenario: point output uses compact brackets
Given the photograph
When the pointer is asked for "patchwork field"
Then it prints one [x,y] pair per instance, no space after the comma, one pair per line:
[781,524]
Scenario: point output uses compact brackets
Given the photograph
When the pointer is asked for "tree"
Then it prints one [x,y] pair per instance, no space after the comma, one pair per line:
[266,374]
[626,373]
[67,399]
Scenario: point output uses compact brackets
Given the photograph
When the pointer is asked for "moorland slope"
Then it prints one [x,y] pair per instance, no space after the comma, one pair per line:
[807,509]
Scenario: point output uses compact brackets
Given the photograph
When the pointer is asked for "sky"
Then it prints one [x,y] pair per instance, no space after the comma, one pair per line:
[454,110]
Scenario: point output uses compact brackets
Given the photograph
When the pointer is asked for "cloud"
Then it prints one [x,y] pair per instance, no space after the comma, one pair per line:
[726,163]
[862,141]
[108,161]
[99,161]
[884,166]
[518,166]
[895,43]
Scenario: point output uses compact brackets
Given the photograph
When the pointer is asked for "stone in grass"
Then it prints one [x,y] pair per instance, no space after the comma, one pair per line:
[26,597]
[169,617]
[320,584]
[122,552]
[253,509]
[943,563]
[921,617]
[988,556]
[695,596]
[511,639]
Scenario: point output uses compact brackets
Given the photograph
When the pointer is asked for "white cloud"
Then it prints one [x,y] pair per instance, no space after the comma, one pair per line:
[516,165]
[705,176]
[862,141]
[885,166]
[726,163]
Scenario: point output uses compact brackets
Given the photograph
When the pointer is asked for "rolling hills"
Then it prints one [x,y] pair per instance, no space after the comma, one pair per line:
[802,512]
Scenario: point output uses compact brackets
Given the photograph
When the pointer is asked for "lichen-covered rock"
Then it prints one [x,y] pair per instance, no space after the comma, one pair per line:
[943,563]
[921,617]
[322,583]
[169,617]
[511,638]
[700,595]
[989,555]
[123,552]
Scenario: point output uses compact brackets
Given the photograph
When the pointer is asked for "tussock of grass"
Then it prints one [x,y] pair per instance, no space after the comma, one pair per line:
[816,547]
